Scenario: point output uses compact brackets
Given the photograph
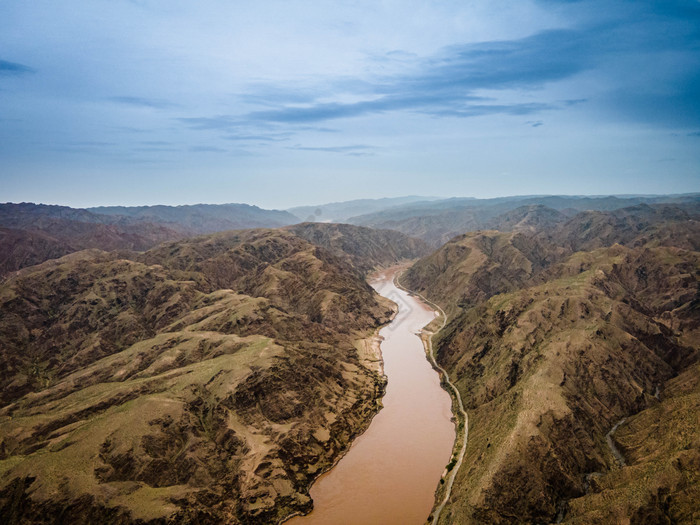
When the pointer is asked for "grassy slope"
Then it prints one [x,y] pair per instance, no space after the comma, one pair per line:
[211,381]
[549,356]
[661,446]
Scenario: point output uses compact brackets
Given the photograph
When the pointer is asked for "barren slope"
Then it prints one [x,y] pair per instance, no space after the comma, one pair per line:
[364,248]
[550,349]
[209,381]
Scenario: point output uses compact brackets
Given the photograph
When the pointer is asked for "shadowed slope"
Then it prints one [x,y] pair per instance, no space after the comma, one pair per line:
[365,248]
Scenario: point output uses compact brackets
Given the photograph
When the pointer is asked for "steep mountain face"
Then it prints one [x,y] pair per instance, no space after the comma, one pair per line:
[208,380]
[475,266]
[660,482]
[204,218]
[551,348]
[364,248]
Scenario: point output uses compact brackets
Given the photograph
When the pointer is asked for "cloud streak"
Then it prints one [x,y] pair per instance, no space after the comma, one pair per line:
[444,86]
[143,102]
[357,150]
[13,68]
[448,83]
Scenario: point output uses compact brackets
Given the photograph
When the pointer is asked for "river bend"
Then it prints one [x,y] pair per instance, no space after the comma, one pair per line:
[390,473]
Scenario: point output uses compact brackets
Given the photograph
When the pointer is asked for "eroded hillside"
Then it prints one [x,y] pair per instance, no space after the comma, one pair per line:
[551,347]
[364,248]
[205,381]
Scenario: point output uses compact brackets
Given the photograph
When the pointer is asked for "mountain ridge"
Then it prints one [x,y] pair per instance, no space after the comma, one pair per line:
[552,347]
[171,381]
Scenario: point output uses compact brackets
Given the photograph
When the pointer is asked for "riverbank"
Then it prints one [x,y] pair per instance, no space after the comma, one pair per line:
[444,489]
[390,473]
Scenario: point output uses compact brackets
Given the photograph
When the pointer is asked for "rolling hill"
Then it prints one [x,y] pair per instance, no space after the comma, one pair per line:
[33,233]
[206,380]
[559,342]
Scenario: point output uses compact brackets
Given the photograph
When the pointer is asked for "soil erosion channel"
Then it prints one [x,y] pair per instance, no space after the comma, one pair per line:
[390,473]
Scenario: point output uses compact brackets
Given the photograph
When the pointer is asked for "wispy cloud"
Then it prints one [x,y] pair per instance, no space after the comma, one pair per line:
[143,102]
[259,137]
[92,143]
[207,149]
[222,122]
[13,68]
[160,149]
[157,143]
[445,85]
[265,95]
[356,150]
[448,84]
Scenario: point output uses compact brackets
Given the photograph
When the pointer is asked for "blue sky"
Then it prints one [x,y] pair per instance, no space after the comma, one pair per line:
[284,103]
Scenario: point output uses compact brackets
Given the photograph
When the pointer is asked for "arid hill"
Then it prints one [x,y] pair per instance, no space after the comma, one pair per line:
[474,266]
[207,380]
[33,233]
[57,237]
[554,338]
[364,248]
[203,218]
[664,225]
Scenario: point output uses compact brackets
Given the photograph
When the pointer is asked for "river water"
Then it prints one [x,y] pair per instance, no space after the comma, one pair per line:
[390,473]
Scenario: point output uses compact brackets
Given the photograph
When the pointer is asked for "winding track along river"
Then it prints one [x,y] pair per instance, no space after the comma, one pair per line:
[390,473]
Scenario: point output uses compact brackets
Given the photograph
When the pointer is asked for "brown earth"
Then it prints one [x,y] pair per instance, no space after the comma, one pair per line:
[208,380]
[364,248]
[42,238]
[550,348]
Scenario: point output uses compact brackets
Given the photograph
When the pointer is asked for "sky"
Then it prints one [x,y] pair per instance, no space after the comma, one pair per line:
[290,102]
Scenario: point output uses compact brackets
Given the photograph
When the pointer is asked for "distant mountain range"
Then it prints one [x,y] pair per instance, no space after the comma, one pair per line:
[32,233]
[342,211]
[203,218]
[438,221]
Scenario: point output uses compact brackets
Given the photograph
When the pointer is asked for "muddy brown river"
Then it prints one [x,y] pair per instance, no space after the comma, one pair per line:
[390,473]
